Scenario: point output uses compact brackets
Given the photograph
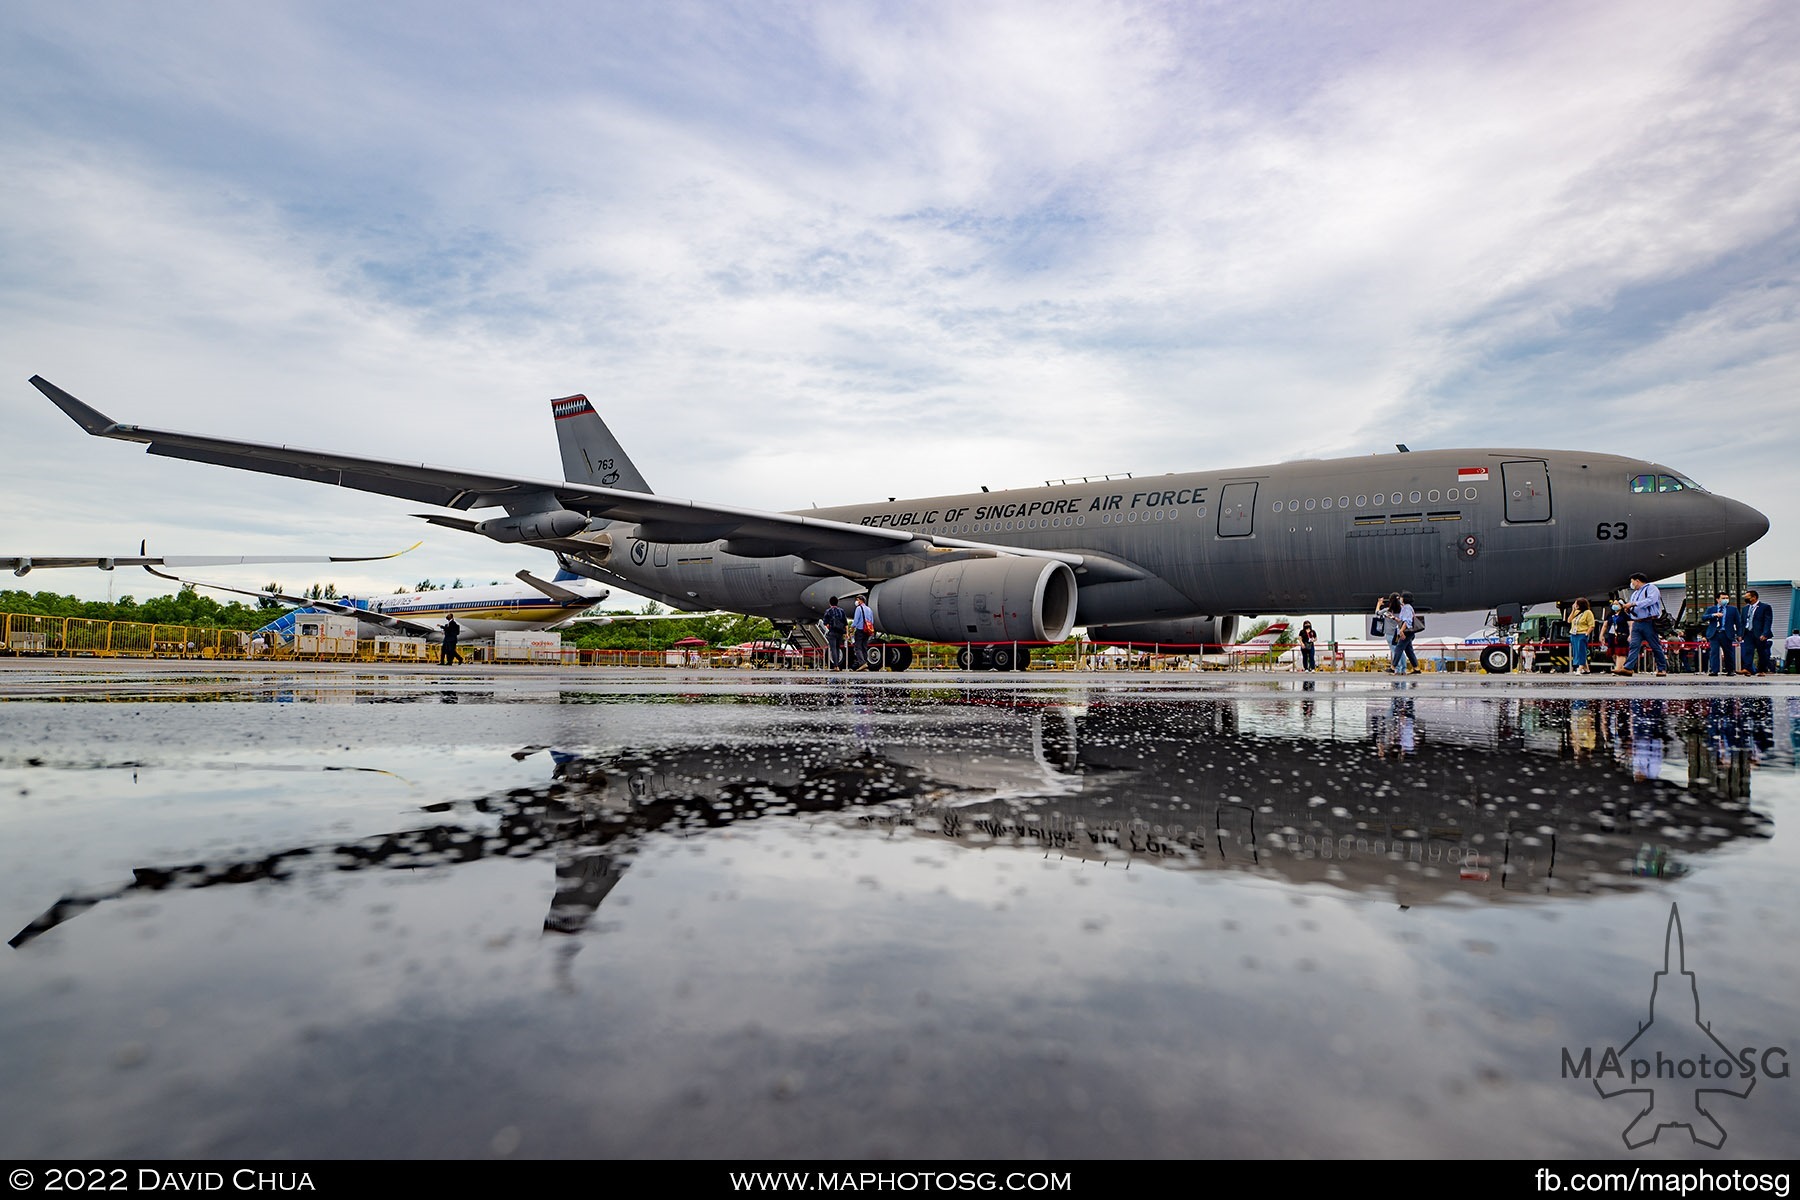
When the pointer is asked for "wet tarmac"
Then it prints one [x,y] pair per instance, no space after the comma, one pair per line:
[370,912]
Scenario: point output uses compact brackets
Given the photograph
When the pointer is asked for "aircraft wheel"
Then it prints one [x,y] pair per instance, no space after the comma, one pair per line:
[873,660]
[1002,658]
[962,659]
[899,656]
[1496,660]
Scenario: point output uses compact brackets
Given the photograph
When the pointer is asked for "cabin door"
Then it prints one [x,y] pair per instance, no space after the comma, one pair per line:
[1527,487]
[1237,510]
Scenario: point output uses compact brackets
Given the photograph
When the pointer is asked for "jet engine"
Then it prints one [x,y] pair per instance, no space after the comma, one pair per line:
[979,600]
[1210,632]
[531,527]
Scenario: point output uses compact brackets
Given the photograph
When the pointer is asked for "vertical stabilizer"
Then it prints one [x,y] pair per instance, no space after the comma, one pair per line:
[590,452]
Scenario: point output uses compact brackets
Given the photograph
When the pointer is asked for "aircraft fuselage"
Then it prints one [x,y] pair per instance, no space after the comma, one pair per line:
[1459,529]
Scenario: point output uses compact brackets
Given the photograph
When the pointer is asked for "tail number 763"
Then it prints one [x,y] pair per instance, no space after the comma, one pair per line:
[1614,532]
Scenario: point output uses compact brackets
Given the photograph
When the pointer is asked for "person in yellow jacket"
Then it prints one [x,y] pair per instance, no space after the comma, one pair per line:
[1581,628]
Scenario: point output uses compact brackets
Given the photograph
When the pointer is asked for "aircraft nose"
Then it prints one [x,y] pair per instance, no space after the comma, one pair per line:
[1743,524]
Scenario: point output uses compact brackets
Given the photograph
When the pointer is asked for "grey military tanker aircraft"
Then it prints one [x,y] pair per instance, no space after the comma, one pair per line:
[1171,560]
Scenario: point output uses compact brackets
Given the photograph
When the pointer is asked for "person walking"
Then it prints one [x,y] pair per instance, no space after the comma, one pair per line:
[1721,623]
[835,622]
[1309,641]
[1581,628]
[1387,611]
[1410,619]
[450,654]
[862,628]
[1616,625]
[1757,620]
[1644,607]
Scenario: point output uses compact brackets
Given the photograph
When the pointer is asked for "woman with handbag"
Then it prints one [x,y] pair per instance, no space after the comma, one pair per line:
[1386,622]
[1581,627]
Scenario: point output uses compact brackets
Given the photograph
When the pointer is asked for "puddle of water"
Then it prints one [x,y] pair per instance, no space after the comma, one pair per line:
[890,923]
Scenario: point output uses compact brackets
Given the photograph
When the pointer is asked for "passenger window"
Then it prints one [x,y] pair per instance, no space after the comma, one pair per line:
[1643,483]
[1343,502]
[1309,504]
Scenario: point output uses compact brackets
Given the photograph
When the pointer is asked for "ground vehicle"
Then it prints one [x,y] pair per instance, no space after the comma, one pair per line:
[1538,642]
[1542,643]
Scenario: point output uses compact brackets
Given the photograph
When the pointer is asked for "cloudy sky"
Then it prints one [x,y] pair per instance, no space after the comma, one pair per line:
[809,253]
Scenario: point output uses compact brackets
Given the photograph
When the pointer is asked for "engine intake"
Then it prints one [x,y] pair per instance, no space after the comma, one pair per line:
[979,600]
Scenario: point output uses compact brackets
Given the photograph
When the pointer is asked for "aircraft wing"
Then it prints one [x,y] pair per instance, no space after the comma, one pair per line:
[663,518]
[398,624]
[25,564]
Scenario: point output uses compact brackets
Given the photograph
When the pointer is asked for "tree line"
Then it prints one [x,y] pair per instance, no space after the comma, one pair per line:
[189,607]
[186,607]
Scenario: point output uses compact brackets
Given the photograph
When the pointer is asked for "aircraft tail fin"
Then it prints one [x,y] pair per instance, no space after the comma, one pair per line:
[590,452]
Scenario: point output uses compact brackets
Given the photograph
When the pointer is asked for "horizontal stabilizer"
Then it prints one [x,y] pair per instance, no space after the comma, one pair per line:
[561,595]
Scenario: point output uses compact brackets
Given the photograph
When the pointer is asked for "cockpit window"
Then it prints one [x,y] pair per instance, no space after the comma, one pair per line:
[1643,483]
[1668,483]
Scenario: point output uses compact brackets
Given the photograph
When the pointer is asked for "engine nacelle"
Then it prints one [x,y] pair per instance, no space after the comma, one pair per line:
[533,527]
[1211,632]
[979,600]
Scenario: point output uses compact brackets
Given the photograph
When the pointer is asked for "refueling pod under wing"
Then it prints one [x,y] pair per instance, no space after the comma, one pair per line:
[1208,632]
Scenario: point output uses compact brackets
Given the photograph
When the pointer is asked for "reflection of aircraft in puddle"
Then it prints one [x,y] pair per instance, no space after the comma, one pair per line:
[592,812]
[1110,783]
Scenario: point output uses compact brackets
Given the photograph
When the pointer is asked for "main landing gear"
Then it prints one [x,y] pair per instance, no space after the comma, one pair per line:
[895,656]
[1002,657]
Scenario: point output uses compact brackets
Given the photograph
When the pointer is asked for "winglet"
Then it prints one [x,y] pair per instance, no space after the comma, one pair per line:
[377,557]
[86,416]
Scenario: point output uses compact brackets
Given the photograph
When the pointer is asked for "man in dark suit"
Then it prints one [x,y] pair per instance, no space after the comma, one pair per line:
[1722,631]
[450,654]
[1758,622]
